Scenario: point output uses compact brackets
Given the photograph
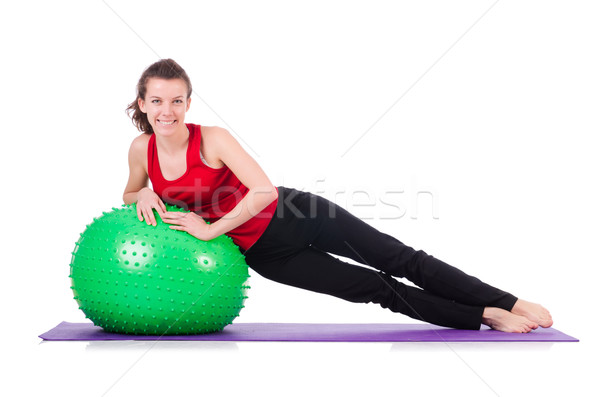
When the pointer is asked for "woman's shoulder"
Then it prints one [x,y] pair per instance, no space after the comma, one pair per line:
[212,131]
[141,141]
[214,142]
[215,136]
[139,146]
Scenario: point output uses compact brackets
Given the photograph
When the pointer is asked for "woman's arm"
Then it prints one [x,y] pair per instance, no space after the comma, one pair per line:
[261,191]
[138,178]
[137,190]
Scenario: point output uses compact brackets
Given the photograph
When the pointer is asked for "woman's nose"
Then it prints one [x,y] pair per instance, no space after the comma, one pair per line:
[167,109]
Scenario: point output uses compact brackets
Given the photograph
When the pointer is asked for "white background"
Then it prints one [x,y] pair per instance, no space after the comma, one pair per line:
[492,112]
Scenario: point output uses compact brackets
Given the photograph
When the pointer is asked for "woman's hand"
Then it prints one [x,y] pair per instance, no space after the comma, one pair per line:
[189,222]
[147,200]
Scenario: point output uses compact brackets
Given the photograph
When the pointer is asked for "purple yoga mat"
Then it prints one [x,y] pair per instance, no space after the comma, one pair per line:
[303,332]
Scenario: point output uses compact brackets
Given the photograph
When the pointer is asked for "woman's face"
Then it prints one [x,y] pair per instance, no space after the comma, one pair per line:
[165,104]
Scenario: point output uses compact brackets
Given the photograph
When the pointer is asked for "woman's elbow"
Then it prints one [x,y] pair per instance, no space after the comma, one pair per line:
[263,196]
[274,194]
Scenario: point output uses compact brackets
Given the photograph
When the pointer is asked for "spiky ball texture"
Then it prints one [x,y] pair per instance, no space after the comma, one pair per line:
[131,277]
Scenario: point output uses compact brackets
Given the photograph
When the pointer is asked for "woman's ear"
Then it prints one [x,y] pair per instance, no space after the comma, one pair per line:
[189,101]
[142,105]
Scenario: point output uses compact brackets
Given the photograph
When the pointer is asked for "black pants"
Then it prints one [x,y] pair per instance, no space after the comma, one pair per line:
[294,249]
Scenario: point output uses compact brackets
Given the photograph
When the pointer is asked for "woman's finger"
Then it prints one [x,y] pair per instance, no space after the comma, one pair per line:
[167,217]
[173,215]
[163,206]
[158,209]
[150,217]
[145,215]
[172,221]
[139,213]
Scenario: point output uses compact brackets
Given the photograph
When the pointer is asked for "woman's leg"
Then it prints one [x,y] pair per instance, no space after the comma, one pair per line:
[314,270]
[330,228]
[284,254]
[291,251]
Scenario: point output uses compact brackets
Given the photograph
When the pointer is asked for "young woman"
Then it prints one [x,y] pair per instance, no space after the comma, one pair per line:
[288,235]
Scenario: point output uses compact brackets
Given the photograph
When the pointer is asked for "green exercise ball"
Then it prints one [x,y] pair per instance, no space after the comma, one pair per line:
[134,278]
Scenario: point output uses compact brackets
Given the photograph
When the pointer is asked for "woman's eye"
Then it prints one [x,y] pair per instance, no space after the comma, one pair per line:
[156,101]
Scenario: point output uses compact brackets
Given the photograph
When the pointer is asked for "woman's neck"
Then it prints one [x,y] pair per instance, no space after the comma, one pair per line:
[173,143]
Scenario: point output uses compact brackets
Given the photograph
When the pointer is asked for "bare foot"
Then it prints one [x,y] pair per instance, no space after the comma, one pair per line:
[505,321]
[534,312]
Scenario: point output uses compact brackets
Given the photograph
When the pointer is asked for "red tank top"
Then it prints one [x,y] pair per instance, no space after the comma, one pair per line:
[209,192]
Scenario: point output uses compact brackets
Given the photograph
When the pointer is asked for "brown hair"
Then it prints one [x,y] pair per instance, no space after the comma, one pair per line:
[164,69]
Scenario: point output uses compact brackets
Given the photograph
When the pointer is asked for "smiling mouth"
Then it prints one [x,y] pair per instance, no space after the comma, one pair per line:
[167,122]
